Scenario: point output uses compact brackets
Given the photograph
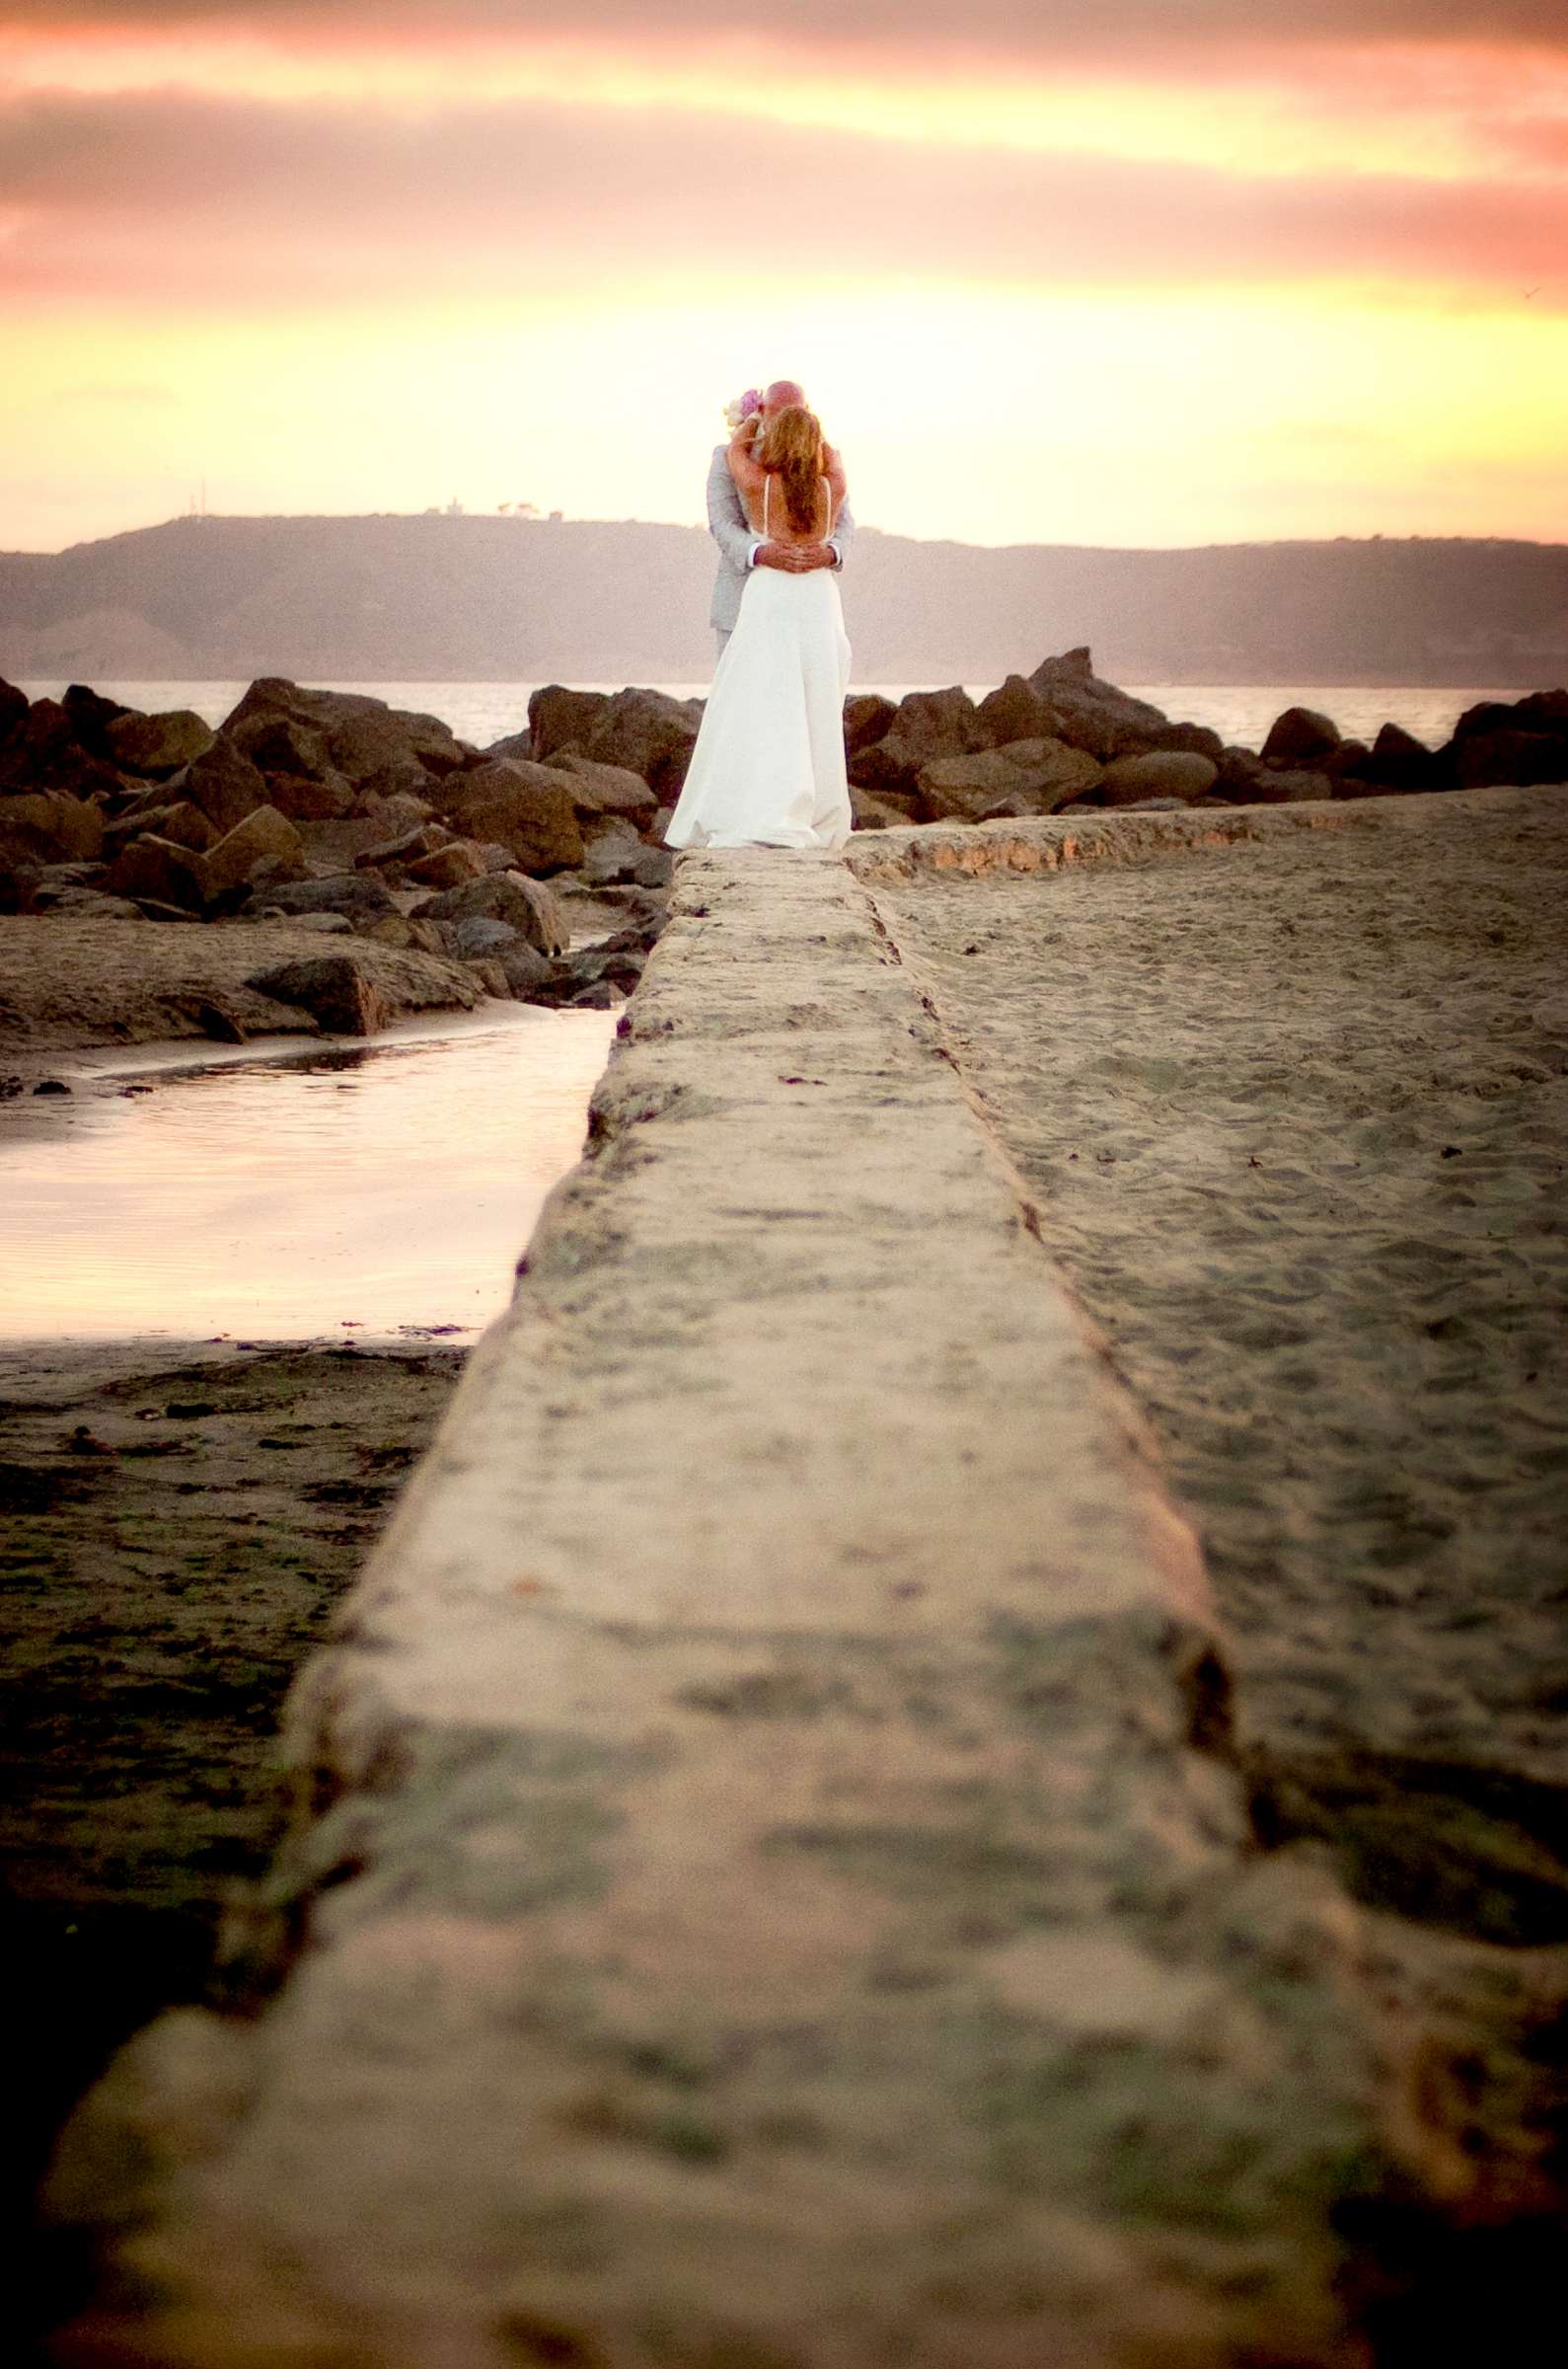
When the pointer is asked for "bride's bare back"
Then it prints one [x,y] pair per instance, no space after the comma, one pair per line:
[763,498]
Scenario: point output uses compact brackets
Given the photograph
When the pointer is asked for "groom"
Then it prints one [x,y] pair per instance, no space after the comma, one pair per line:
[741,547]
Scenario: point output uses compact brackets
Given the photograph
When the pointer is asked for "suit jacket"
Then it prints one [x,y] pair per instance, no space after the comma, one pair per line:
[737,538]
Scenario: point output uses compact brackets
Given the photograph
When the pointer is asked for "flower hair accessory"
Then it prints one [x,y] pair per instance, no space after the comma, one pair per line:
[742,407]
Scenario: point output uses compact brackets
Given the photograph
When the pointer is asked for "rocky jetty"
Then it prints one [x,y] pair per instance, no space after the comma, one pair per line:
[368,826]
[357,821]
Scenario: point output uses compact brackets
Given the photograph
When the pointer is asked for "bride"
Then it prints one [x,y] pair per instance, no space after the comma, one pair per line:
[769,767]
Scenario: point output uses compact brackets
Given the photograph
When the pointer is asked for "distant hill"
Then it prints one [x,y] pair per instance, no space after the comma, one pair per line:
[451,599]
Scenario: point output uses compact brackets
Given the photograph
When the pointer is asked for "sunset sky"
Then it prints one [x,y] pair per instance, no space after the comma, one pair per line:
[1123,272]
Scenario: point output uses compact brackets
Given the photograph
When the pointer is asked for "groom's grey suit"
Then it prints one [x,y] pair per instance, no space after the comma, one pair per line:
[738,542]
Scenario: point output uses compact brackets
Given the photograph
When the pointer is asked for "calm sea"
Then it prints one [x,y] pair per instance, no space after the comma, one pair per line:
[1240,714]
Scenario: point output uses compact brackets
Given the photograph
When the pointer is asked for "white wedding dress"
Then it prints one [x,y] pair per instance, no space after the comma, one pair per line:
[767,768]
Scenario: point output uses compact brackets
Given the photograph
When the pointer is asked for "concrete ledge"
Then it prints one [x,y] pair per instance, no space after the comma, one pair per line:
[1048,842]
[767,1885]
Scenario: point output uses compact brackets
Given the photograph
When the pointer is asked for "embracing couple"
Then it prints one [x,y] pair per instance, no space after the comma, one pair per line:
[767,768]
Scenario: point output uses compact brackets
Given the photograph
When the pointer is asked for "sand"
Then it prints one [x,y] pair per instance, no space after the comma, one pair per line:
[1296,1115]
[180,1518]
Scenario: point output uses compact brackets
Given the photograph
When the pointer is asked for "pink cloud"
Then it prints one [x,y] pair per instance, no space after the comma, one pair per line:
[200,199]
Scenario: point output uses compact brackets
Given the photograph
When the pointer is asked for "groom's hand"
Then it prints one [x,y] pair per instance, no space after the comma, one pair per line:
[798,559]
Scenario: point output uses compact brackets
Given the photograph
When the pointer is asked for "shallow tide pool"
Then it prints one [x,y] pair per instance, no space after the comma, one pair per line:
[374,1190]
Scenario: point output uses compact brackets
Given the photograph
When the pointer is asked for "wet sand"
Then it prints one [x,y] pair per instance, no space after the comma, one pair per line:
[1296,1117]
[180,1518]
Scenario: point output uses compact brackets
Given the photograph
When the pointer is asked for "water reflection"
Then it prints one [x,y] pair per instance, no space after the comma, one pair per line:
[372,1190]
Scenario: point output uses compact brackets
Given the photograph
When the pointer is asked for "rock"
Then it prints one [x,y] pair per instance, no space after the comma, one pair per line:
[327,796]
[188,826]
[654,868]
[1094,714]
[1239,770]
[47,825]
[557,718]
[14,706]
[1346,761]
[1195,739]
[350,731]
[1038,774]
[158,744]
[420,839]
[524,968]
[1398,760]
[527,807]
[1159,773]
[533,910]
[866,718]
[1507,756]
[357,895]
[263,849]
[91,716]
[515,745]
[605,789]
[647,733]
[402,812]
[444,866]
[870,812]
[224,784]
[613,854]
[158,870]
[479,934]
[492,977]
[1274,787]
[395,929]
[1016,710]
[327,925]
[1299,736]
[335,989]
[929,725]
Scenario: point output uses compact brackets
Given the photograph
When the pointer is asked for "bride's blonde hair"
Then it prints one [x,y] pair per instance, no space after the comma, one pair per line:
[791,447]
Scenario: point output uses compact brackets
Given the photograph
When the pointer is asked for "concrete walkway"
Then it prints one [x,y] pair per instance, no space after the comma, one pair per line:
[768,1887]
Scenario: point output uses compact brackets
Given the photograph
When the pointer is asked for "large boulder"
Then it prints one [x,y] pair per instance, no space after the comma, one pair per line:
[557,718]
[158,744]
[224,784]
[1159,773]
[263,849]
[14,706]
[325,797]
[91,715]
[47,826]
[180,821]
[355,733]
[1300,736]
[927,727]
[527,807]
[647,733]
[1491,761]
[1094,714]
[605,789]
[1398,760]
[613,853]
[533,910]
[1016,710]
[867,717]
[336,990]
[158,870]
[1025,777]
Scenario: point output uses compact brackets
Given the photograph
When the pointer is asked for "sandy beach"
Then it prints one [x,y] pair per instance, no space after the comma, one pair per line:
[1296,1117]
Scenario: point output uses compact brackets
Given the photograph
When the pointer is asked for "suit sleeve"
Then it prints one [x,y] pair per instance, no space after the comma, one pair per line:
[843,531]
[727,522]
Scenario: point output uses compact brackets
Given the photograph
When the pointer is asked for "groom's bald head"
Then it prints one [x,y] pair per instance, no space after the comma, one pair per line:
[782,394]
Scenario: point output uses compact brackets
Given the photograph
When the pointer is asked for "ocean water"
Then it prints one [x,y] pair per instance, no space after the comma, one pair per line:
[292,1188]
[1239,713]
